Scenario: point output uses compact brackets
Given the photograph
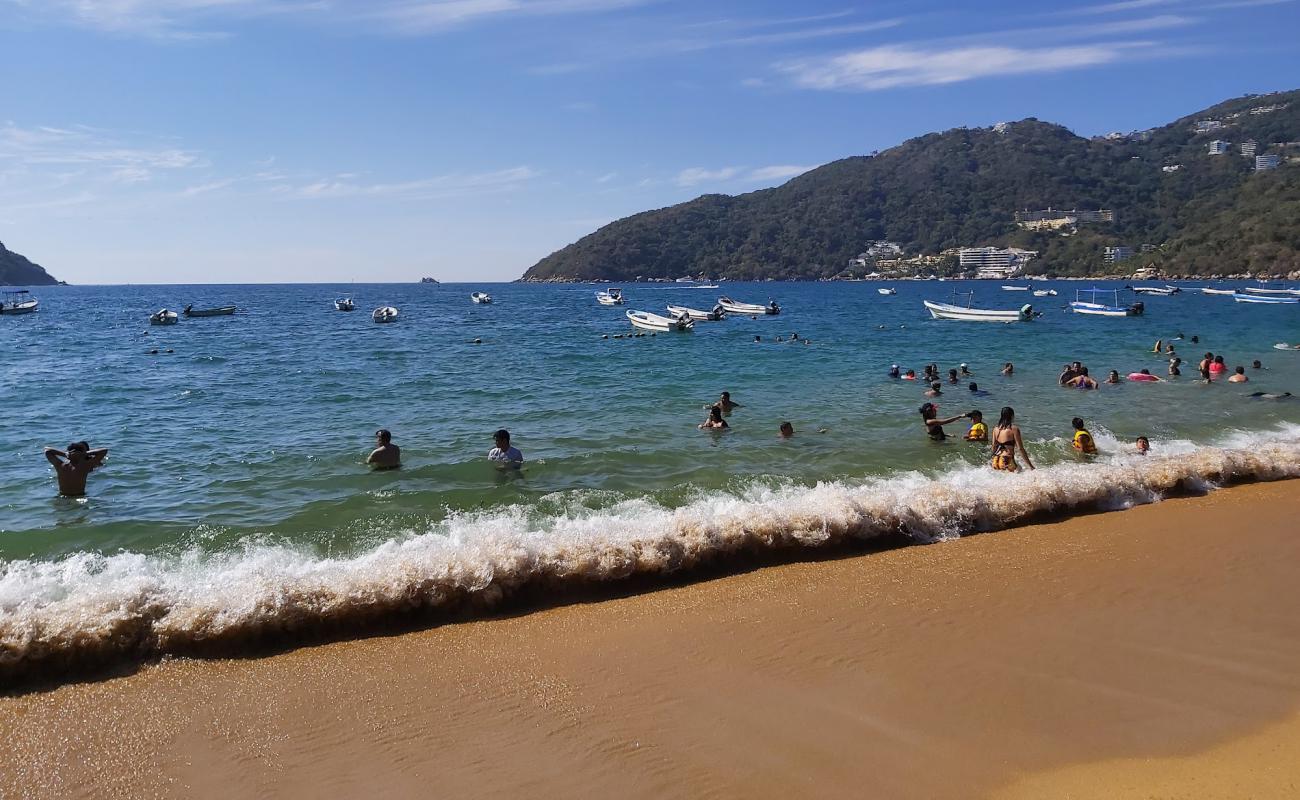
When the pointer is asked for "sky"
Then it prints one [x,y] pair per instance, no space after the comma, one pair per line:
[232,141]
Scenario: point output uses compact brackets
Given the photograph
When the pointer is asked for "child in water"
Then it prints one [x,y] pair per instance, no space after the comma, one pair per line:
[1082,439]
[979,432]
[1143,445]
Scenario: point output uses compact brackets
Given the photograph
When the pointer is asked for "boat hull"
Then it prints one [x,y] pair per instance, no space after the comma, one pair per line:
[948,311]
[383,316]
[1266,299]
[658,324]
[21,308]
[752,309]
[695,314]
[1098,310]
[224,311]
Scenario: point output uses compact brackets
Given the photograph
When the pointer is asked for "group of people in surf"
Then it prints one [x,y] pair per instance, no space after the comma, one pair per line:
[387,455]
[722,408]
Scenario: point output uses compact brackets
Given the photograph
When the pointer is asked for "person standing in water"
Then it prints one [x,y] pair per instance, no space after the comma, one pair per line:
[726,403]
[934,425]
[715,420]
[503,455]
[1007,442]
[386,455]
[81,461]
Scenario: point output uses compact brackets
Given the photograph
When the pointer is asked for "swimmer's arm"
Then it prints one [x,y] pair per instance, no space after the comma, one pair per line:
[948,421]
[1020,444]
[97,456]
[53,455]
[370,459]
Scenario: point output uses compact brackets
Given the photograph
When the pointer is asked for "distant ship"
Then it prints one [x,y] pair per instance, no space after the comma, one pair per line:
[428,280]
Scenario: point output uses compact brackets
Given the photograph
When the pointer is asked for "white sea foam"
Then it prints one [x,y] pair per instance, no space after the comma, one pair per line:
[86,610]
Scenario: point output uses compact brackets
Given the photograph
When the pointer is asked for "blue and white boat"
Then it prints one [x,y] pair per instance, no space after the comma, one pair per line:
[1112,309]
[1265,298]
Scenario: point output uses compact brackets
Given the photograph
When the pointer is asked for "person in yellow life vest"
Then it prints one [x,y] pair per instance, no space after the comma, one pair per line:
[979,432]
[1082,439]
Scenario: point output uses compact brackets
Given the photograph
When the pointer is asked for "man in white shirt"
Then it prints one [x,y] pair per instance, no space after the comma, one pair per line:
[503,454]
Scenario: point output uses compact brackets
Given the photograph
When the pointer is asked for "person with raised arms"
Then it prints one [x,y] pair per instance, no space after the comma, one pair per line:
[72,472]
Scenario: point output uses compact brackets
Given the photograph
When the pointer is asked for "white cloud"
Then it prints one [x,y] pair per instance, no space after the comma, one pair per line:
[1121,6]
[776,172]
[893,66]
[451,185]
[44,146]
[607,177]
[697,175]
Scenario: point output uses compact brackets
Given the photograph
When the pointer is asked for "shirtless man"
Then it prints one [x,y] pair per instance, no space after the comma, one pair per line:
[81,461]
[386,455]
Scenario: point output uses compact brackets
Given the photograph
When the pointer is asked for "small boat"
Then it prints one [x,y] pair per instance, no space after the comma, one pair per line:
[1270,299]
[164,317]
[969,313]
[1006,288]
[733,307]
[695,314]
[1163,291]
[220,311]
[481,298]
[887,291]
[1113,309]
[653,322]
[1277,292]
[610,297]
[1285,346]
[19,301]
[344,304]
[384,314]
[1044,293]
[1208,290]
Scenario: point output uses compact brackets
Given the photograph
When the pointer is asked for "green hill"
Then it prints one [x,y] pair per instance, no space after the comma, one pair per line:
[961,188]
[16,270]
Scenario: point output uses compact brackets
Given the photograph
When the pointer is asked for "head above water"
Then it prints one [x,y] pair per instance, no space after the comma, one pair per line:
[502,438]
[78,451]
[1077,423]
[974,387]
[929,411]
[715,413]
[1240,370]
[1007,417]
[976,416]
[383,435]
[787,429]
[726,396]
[1256,364]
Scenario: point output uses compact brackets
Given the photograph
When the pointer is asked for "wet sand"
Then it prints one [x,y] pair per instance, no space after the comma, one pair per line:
[1152,652]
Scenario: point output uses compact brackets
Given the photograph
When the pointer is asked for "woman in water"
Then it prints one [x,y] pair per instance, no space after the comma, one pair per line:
[1217,367]
[1007,441]
[715,419]
[1113,377]
[934,425]
[1008,368]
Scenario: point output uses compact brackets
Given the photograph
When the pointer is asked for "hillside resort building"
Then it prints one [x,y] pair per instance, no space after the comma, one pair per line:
[994,262]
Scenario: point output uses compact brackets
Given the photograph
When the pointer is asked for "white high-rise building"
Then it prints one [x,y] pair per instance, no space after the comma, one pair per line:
[1218,147]
[1118,253]
[1267,161]
[1248,148]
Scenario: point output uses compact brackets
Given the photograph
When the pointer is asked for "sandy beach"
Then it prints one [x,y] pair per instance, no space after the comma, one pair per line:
[1153,652]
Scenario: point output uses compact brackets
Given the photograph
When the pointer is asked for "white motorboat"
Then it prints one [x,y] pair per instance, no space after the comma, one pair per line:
[1208,290]
[1163,291]
[481,298]
[887,291]
[344,304]
[1112,309]
[384,314]
[19,301]
[659,324]
[611,297]
[164,317]
[695,314]
[1274,292]
[1044,293]
[1269,299]
[1015,288]
[733,307]
[968,313]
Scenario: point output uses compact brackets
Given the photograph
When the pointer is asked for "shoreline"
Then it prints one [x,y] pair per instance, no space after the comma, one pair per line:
[1166,631]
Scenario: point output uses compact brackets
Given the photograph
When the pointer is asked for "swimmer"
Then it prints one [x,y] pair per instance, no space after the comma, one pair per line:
[935,390]
[715,420]
[952,376]
[1204,366]
[894,371]
[1083,380]
[386,455]
[910,375]
[1217,367]
[726,403]
[1006,441]
[1083,441]
[934,425]
[758,339]
[1256,364]
[976,391]
[1113,377]
[1270,395]
[979,432]
[1008,369]
[1143,445]
[1173,366]
[779,339]
[965,371]
[1159,346]
[1239,376]
[785,431]
[1143,375]
[81,461]
[503,455]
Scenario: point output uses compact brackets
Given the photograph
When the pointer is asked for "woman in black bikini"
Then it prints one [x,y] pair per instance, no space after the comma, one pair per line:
[934,425]
[1006,441]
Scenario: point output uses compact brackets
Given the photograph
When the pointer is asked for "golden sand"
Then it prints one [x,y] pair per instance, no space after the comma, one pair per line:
[1149,653]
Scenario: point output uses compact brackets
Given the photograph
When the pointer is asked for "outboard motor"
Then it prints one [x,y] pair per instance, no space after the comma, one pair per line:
[1026,312]
[1138,308]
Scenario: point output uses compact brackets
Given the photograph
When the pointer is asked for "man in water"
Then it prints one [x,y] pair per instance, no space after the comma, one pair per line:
[726,404]
[386,455]
[81,461]
[894,372]
[1143,445]
[976,391]
[786,430]
[503,455]
[1083,380]
[965,371]
[1238,376]
[935,390]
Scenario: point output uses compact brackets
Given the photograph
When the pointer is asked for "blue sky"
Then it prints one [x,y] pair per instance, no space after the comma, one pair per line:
[381,140]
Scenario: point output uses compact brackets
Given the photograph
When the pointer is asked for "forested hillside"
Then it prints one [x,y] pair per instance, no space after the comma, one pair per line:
[16,270]
[1205,214]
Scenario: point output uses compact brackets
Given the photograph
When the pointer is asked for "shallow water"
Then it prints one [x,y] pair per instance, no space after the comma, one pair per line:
[236,473]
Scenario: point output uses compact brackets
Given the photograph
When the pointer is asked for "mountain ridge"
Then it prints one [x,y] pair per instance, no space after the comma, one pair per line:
[18,270]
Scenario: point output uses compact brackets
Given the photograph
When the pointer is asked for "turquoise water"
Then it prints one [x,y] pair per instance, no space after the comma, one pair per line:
[241,452]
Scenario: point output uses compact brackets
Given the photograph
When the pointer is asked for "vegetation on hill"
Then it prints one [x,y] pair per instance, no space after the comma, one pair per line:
[961,188]
[16,270]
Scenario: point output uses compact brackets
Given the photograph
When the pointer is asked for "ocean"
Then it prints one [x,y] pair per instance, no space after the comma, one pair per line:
[235,503]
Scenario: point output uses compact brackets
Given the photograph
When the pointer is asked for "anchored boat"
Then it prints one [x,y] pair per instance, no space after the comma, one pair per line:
[384,314]
[695,314]
[481,298]
[220,311]
[968,312]
[659,324]
[733,307]
[610,297]
[164,317]
[19,301]
[887,291]
[1113,309]
[1265,298]
[344,304]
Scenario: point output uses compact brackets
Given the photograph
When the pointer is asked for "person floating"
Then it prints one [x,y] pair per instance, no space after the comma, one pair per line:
[715,420]
[1143,375]
[503,455]
[979,432]
[81,461]
[934,425]
[1006,442]
[386,455]
[1238,376]
[1083,441]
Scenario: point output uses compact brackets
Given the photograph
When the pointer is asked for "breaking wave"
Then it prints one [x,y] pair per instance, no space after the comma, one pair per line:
[86,611]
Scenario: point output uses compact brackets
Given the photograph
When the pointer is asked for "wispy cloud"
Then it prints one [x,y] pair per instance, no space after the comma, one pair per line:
[456,184]
[26,147]
[892,66]
[728,39]
[693,176]
[1121,6]
[777,172]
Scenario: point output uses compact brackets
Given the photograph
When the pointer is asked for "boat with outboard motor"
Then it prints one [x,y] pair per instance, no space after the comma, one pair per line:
[344,304]
[735,307]
[384,314]
[1096,309]
[1266,299]
[164,317]
[969,313]
[660,324]
[887,291]
[18,301]
[695,314]
[611,297]
[481,298]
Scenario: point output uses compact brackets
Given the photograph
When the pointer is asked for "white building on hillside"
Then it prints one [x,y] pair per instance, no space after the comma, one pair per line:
[1118,253]
[1248,147]
[1218,147]
[1267,161]
[995,262]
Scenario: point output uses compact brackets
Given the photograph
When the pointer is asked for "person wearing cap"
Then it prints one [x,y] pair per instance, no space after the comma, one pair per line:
[894,371]
[81,461]
[965,372]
